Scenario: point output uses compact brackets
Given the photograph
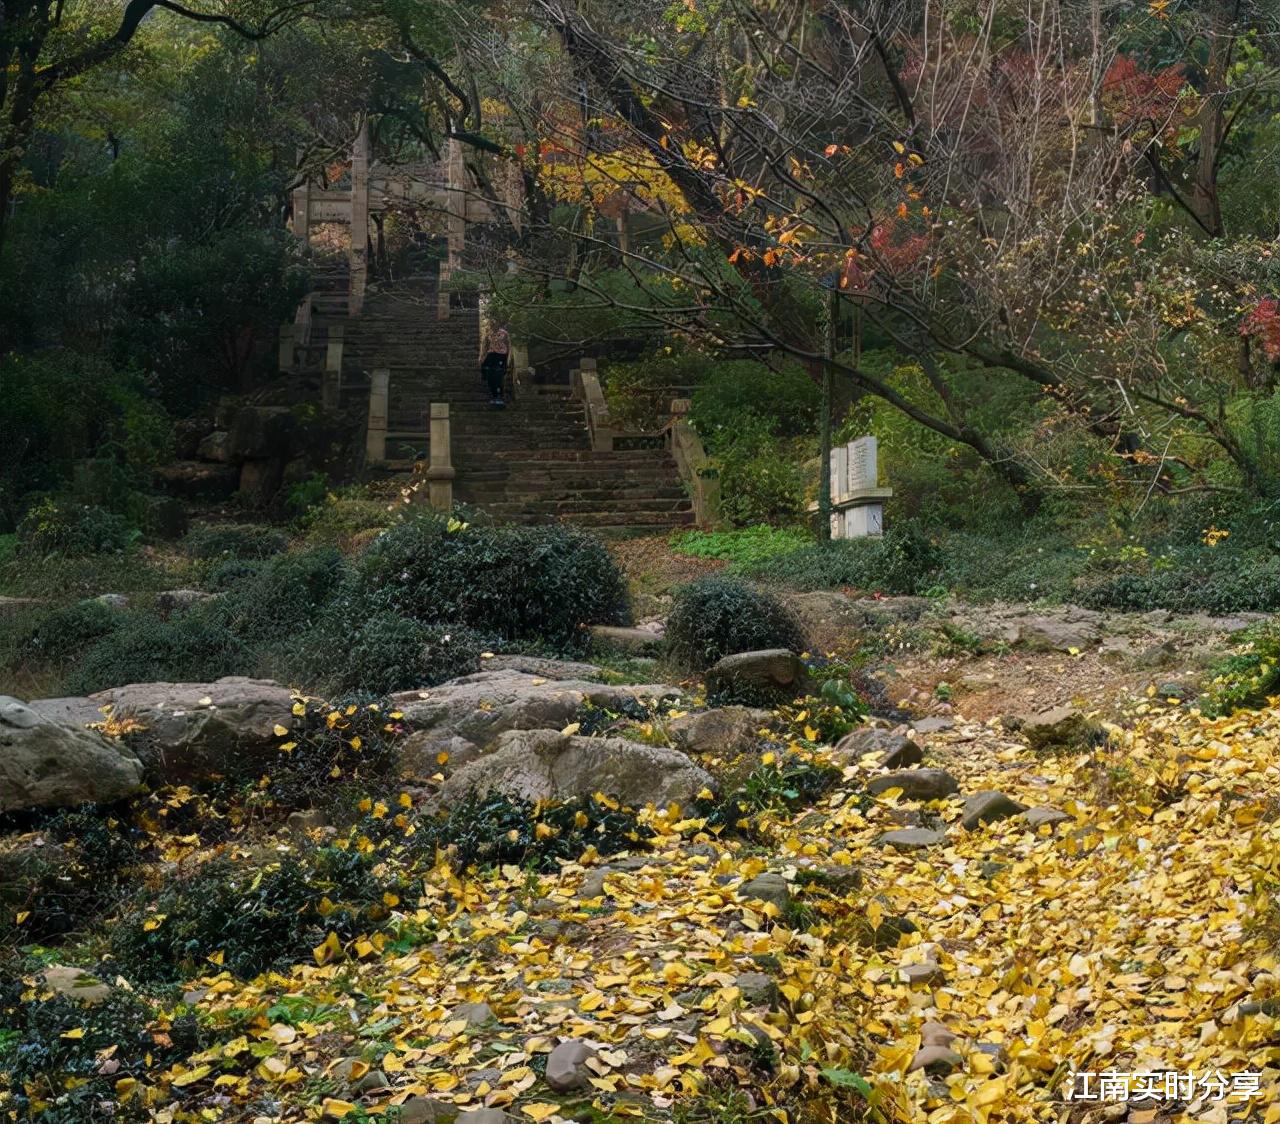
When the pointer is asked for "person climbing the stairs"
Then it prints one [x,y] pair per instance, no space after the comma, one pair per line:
[495,353]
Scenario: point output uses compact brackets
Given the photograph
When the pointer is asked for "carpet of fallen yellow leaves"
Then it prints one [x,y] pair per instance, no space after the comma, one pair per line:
[1133,937]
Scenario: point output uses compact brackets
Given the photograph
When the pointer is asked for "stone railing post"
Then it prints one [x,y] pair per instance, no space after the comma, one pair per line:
[440,470]
[375,449]
[285,357]
[585,384]
[359,256]
[302,323]
[302,211]
[331,387]
[694,466]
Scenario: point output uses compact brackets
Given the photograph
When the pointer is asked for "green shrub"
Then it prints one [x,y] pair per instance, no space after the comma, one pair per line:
[72,530]
[60,408]
[494,830]
[284,595]
[716,616]
[337,753]
[389,653]
[789,782]
[76,874]
[904,560]
[224,576]
[189,648]
[513,583]
[747,546]
[1195,580]
[306,495]
[761,480]
[61,635]
[1249,676]
[216,542]
[344,516]
[63,1072]
[258,917]
[783,399]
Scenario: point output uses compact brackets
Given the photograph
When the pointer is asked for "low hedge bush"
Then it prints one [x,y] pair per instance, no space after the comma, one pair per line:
[143,649]
[72,530]
[904,560]
[513,583]
[258,917]
[716,616]
[62,634]
[218,541]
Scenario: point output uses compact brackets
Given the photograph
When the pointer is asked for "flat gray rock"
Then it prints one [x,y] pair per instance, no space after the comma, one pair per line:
[893,751]
[1036,818]
[768,886]
[721,730]
[567,1066]
[912,838]
[916,784]
[920,974]
[479,708]
[192,731]
[549,765]
[988,806]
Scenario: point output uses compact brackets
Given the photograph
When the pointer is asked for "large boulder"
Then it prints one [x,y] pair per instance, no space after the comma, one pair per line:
[198,480]
[627,641]
[549,765]
[770,674]
[475,709]
[45,763]
[262,432]
[191,731]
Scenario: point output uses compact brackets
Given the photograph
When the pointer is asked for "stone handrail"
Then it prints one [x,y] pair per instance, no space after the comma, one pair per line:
[584,382]
[694,466]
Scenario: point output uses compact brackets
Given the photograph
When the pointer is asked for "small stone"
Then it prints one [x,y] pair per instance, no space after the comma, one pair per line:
[996,1052]
[834,877]
[485,1116]
[767,887]
[935,1061]
[933,725]
[301,824]
[593,884]
[1117,1111]
[117,601]
[889,933]
[926,973]
[988,806]
[425,1110]
[75,983]
[758,990]
[371,1082]
[475,1013]
[913,838]
[1062,728]
[567,1066]
[916,784]
[1036,818]
[991,867]
[937,1034]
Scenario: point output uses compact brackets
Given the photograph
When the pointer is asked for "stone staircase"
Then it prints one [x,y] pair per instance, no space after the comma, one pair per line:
[529,463]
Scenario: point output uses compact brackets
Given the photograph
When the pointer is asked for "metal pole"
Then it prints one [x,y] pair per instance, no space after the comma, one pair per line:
[824,480]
